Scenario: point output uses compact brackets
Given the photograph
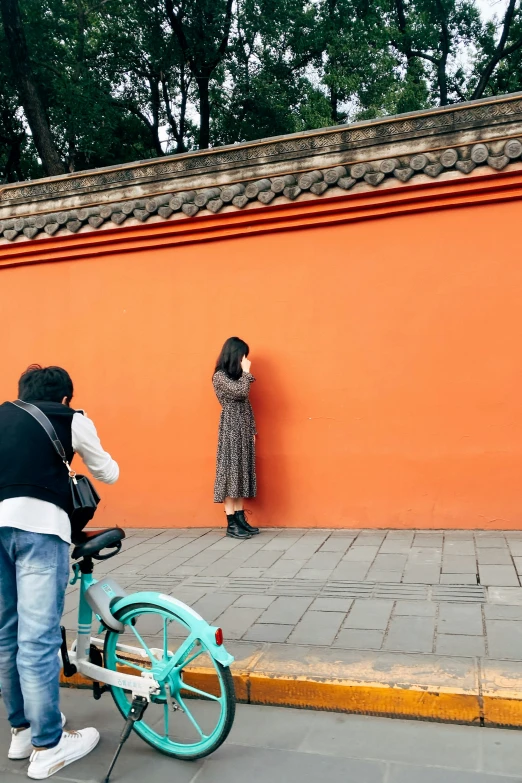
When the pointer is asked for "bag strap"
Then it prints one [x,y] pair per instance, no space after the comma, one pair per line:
[44,422]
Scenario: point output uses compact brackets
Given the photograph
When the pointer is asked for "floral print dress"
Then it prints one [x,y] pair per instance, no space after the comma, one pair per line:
[236,452]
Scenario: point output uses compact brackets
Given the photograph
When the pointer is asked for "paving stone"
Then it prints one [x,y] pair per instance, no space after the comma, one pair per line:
[317,628]
[377,576]
[250,573]
[286,610]
[212,605]
[424,556]
[389,562]
[459,564]
[518,564]
[498,575]
[373,541]
[456,547]
[494,612]
[254,601]
[369,614]
[504,638]
[152,556]
[195,547]
[304,548]
[185,570]
[282,766]
[409,742]
[266,632]
[331,605]
[421,574]
[281,543]
[415,608]
[360,554]
[515,547]
[324,560]
[458,579]
[400,534]
[460,645]
[337,544]
[505,595]
[402,773]
[263,558]
[225,543]
[241,554]
[314,574]
[350,572]
[285,569]
[357,639]
[428,541]
[204,558]
[487,542]
[223,567]
[463,619]
[395,546]
[163,567]
[494,557]
[410,634]
[235,621]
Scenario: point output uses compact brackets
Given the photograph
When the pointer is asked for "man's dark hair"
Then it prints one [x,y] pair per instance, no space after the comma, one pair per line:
[229,360]
[45,384]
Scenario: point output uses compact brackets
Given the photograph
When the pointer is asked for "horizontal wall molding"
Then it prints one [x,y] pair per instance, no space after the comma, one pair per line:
[339,207]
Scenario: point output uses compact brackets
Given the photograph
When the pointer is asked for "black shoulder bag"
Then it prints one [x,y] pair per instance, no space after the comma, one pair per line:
[84,498]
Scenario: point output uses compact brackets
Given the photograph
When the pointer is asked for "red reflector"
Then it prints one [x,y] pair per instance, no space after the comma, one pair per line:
[219,637]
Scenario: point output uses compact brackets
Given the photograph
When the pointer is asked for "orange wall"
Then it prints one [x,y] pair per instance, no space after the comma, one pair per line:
[388,358]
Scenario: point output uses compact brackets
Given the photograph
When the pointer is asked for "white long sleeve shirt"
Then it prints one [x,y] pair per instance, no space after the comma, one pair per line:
[39,516]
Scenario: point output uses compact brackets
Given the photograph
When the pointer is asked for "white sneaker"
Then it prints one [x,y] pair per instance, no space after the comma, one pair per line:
[73,745]
[21,745]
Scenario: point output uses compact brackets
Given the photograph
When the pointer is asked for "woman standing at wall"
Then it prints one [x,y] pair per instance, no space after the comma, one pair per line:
[236,455]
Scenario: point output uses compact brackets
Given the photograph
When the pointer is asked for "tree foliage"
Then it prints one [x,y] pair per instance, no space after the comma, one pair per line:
[89,83]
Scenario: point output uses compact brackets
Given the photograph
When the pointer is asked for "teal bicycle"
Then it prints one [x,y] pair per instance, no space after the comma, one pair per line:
[166,668]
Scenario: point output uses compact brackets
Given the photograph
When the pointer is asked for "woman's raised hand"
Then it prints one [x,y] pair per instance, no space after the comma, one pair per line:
[245,364]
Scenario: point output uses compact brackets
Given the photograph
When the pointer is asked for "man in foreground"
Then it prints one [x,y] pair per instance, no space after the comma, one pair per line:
[35,534]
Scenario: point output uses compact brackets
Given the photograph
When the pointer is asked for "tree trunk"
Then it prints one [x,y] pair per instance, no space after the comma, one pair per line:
[204,112]
[28,89]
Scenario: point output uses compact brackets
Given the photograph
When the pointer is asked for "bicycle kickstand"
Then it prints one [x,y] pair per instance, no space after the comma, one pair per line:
[138,707]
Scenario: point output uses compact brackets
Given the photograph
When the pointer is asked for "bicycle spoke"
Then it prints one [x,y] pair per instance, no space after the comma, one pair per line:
[210,696]
[190,717]
[152,657]
[165,640]
[166,717]
[192,658]
[131,665]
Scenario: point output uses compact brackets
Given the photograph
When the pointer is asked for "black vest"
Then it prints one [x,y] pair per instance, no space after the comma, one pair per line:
[29,465]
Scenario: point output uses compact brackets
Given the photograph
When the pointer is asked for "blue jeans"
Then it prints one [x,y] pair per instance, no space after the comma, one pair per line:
[34,569]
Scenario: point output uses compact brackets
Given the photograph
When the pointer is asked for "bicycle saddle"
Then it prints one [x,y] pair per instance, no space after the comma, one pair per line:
[91,542]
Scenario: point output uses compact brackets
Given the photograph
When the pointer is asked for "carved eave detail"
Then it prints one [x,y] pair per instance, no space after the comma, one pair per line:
[483,137]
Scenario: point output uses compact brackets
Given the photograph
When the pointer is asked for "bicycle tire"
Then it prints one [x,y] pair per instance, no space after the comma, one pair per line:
[190,752]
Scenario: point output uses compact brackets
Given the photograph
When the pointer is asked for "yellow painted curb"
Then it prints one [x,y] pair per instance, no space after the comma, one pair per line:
[365,699]
[392,685]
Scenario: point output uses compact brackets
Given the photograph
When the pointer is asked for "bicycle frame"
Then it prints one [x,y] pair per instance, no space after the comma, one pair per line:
[144,685]
[79,655]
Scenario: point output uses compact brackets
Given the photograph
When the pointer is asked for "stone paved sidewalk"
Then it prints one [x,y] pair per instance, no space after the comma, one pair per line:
[451,593]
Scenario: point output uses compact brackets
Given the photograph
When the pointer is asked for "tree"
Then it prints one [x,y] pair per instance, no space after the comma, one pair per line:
[202,28]
[88,83]
[29,90]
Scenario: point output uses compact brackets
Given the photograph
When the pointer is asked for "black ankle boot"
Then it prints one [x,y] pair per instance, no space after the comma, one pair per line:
[234,529]
[242,522]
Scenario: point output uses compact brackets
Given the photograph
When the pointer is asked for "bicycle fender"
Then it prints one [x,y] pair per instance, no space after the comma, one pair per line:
[194,621]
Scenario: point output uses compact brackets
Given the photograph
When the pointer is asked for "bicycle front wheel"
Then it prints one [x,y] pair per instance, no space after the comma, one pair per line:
[194,711]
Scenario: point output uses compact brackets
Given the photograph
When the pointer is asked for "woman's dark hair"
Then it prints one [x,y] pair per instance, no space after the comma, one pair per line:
[229,360]
[45,384]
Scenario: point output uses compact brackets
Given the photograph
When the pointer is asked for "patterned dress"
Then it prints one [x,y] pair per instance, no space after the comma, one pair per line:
[236,452]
